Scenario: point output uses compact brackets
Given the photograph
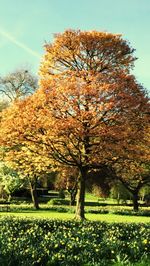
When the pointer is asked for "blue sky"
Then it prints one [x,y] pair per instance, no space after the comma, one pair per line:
[26,24]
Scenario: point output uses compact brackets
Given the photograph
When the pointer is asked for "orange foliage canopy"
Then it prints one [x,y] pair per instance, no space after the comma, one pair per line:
[86,52]
[83,127]
[88,110]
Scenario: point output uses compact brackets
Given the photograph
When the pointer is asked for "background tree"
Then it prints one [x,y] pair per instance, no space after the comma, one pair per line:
[145,194]
[9,180]
[101,181]
[120,192]
[31,167]
[18,84]
[133,175]
[133,169]
[67,179]
[87,106]
[3,104]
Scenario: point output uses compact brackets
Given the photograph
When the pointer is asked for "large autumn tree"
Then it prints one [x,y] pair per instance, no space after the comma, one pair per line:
[87,105]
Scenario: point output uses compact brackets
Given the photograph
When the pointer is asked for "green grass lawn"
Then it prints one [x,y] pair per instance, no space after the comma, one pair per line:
[65,216]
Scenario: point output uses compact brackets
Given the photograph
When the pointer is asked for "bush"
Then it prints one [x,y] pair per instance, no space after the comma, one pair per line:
[130,212]
[70,243]
[97,211]
[95,203]
[62,194]
[58,202]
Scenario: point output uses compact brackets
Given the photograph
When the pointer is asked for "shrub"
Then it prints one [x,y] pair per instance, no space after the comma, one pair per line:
[130,212]
[62,194]
[58,202]
[97,211]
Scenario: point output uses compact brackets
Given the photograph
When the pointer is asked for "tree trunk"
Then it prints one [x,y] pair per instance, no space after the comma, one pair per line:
[34,196]
[81,197]
[118,198]
[73,194]
[9,197]
[135,202]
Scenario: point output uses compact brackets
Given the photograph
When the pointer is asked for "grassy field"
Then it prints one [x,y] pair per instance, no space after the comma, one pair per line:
[69,216]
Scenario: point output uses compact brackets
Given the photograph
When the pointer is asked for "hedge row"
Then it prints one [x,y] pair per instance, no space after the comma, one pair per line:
[71,209]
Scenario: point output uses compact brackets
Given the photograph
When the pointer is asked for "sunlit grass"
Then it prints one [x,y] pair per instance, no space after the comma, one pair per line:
[111,218]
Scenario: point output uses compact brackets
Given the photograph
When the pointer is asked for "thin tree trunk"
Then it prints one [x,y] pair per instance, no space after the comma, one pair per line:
[118,198]
[135,202]
[73,194]
[81,197]
[34,196]
[9,197]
